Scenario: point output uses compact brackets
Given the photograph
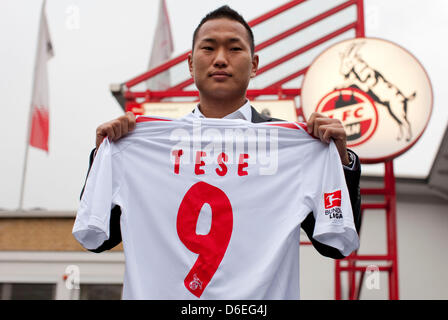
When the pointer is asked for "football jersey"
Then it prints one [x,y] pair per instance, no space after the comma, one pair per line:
[211,208]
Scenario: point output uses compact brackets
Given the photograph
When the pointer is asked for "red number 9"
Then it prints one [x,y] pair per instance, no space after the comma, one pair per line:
[212,246]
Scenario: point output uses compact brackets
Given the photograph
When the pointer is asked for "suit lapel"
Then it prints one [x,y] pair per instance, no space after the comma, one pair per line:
[258,117]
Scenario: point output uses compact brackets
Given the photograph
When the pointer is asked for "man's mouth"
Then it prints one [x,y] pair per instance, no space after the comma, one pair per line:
[220,75]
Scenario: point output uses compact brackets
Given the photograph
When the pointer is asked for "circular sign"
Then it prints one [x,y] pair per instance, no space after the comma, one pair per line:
[378,90]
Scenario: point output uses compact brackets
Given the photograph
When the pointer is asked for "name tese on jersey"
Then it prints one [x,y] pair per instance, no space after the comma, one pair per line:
[213,151]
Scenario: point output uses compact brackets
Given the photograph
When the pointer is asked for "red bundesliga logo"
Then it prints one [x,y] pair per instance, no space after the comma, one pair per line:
[332,199]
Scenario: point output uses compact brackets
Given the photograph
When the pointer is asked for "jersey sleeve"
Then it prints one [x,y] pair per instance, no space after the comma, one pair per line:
[327,195]
[91,226]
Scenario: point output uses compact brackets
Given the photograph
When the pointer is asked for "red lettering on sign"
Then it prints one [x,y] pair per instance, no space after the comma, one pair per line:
[358,113]
[345,114]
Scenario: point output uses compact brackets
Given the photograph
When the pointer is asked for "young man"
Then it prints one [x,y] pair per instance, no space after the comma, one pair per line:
[222,63]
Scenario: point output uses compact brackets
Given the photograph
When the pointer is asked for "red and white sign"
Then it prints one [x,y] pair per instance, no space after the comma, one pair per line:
[332,199]
[378,90]
[355,109]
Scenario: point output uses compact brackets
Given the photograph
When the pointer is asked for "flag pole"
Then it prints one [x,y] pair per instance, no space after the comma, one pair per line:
[27,140]
[25,164]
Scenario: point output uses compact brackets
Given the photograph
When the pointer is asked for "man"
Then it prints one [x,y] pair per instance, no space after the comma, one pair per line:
[222,63]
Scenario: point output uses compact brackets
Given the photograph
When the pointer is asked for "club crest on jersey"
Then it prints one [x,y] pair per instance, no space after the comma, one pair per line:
[355,109]
[332,203]
[195,283]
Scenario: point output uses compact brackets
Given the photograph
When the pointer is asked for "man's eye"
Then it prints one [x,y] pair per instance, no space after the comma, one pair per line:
[207,48]
[236,49]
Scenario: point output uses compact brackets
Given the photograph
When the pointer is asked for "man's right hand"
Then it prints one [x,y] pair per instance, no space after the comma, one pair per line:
[116,128]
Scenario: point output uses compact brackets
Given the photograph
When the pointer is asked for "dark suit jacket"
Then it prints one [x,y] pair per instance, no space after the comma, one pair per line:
[352,178]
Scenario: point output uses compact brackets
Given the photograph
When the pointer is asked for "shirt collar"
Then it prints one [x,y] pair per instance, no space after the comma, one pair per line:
[244,113]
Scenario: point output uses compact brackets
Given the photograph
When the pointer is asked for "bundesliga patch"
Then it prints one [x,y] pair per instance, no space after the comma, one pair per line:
[332,199]
[332,203]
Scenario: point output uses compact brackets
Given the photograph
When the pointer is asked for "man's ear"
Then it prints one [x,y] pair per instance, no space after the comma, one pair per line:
[255,61]
[190,64]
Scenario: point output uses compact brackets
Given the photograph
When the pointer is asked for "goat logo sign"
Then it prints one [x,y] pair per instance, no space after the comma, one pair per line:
[378,90]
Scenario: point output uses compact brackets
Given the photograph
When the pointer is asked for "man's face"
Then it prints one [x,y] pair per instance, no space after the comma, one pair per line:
[221,63]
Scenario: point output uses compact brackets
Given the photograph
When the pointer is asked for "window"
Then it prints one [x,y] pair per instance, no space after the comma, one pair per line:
[100,291]
[61,275]
[27,291]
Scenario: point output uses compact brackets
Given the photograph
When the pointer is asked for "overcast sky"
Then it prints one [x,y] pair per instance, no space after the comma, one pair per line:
[99,42]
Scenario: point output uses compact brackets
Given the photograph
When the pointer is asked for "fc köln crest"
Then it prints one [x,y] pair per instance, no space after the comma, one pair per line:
[355,109]
[378,90]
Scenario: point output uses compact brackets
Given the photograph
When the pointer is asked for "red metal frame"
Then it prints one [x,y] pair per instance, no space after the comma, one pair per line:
[389,205]
[390,259]
[178,90]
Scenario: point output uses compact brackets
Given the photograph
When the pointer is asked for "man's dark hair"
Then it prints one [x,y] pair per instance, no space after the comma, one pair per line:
[228,13]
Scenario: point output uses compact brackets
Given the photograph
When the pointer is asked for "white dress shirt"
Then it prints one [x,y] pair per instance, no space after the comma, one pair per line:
[244,113]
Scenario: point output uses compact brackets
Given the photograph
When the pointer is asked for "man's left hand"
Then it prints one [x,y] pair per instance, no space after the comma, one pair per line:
[326,128]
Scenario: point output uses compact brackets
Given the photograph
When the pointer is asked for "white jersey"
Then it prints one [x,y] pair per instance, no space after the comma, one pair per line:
[211,208]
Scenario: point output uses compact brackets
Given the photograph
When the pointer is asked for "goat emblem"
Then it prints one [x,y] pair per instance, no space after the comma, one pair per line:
[359,75]
[195,283]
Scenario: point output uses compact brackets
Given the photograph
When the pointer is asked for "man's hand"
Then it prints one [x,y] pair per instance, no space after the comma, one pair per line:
[115,129]
[327,128]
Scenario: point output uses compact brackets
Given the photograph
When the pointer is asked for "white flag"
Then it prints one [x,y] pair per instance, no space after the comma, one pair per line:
[39,130]
[162,48]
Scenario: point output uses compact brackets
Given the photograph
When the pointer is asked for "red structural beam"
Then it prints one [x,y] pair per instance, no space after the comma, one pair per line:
[273,91]
[283,59]
[304,25]
[275,12]
[389,205]
[360,31]
[163,67]
[151,73]
[129,95]
[363,268]
[310,46]
[371,257]
[373,191]
[391,229]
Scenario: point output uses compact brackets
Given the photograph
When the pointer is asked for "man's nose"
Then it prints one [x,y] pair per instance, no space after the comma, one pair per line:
[220,58]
